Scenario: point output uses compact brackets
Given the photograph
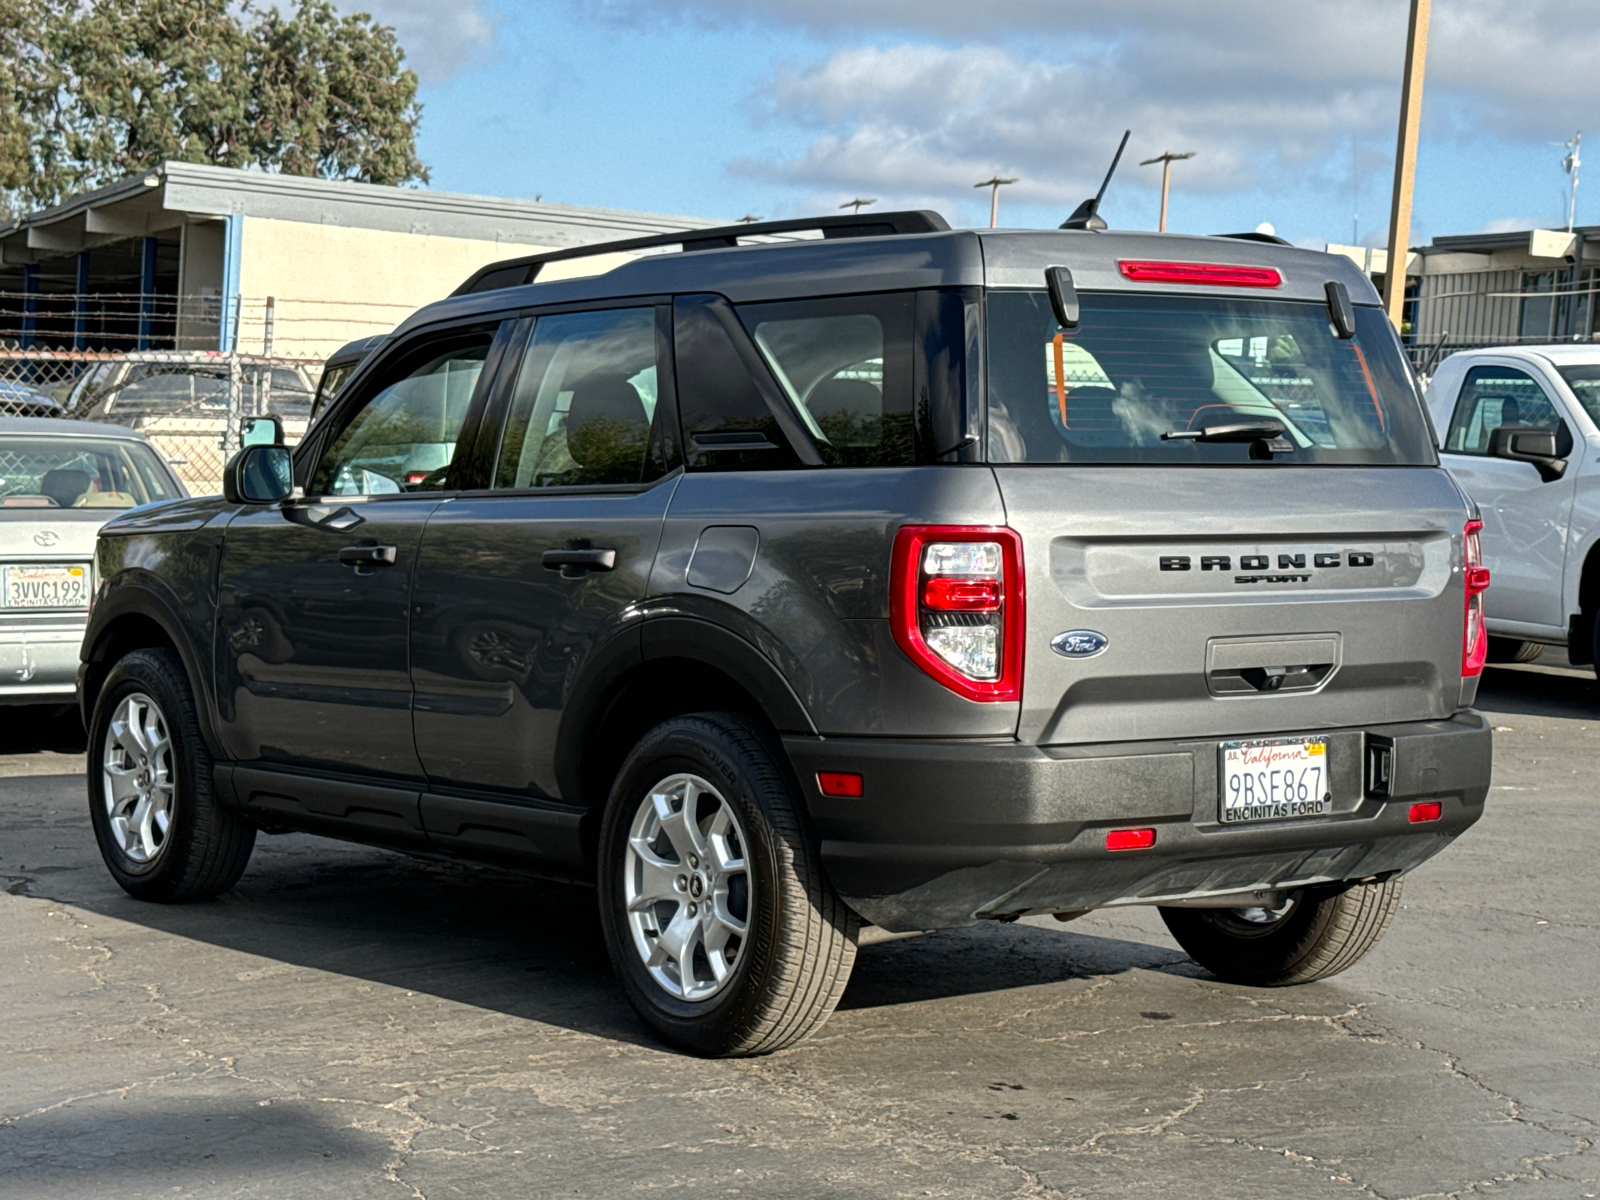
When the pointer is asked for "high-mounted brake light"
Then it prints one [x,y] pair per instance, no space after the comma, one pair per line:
[1474,637]
[1205,274]
[956,606]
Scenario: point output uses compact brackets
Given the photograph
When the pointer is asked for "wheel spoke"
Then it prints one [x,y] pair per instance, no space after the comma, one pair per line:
[124,789]
[721,845]
[677,942]
[136,824]
[655,878]
[679,825]
[130,731]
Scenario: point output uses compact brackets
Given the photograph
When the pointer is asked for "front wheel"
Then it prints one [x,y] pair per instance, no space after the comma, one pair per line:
[162,833]
[719,920]
[1310,935]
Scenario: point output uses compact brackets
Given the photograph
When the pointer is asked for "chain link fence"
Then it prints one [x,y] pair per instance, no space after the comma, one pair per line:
[190,404]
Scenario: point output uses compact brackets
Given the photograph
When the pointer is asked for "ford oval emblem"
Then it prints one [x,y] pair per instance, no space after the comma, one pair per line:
[46,537]
[1079,643]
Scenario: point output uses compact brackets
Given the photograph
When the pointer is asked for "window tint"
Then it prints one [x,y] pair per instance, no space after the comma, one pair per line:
[585,403]
[1584,380]
[402,439]
[1138,367]
[1495,396]
[845,366]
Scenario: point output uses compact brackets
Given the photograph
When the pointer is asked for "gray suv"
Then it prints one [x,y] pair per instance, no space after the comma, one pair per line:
[787,585]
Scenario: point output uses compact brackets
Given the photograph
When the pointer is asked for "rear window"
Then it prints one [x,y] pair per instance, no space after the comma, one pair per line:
[1140,366]
[1584,380]
[80,472]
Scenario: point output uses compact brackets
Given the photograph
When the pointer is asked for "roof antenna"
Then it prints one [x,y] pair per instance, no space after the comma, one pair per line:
[1087,214]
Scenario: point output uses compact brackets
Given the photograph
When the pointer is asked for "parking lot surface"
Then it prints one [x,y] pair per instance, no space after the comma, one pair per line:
[355,1023]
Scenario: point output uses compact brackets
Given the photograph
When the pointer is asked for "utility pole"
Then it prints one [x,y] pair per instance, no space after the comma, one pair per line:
[857,204]
[1570,165]
[994,185]
[1405,162]
[1166,159]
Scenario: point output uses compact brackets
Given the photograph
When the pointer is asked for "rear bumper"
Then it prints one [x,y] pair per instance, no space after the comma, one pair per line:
[38,666]
[949,832]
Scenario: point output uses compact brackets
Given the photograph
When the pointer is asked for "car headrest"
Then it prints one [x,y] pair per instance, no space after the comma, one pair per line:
[607,431]
[65,484]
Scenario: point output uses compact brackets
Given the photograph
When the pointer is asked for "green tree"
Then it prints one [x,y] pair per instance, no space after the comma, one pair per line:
[90,93]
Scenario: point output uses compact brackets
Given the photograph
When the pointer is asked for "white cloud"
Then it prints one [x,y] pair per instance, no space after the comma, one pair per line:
[1270,94]
[438,38]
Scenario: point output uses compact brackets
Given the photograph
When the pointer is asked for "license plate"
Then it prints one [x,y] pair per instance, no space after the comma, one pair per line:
[1275,780]
[46,587]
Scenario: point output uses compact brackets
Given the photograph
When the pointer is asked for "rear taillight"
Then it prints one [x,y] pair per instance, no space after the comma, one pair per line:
[956,605]
[1474,638]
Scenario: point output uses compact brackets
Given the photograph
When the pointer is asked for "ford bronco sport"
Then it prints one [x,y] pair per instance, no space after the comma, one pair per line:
[900,575]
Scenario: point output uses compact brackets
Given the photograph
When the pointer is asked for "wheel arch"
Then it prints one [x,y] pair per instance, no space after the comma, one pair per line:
[679,665]
[136,619]
[1580,625]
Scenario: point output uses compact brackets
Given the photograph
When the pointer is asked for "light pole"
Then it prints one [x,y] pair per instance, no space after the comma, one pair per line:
[994,185]
[857,204]
[1166,159]
[1405,162]
[1570,165]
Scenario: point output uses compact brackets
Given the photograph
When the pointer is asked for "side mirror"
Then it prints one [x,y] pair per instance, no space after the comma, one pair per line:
[262,431]
[1520,443]
[258,475]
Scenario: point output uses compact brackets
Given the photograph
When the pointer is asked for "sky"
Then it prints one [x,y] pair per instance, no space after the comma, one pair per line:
[781,108]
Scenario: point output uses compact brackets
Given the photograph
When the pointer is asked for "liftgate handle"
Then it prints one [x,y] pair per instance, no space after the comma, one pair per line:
[359,556]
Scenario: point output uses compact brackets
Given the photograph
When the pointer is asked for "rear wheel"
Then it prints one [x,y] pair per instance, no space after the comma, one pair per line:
[723,929]
[1510,650]
[1310,935]
[161,831]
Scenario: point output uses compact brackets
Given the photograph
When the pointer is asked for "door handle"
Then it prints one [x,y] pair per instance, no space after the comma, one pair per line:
[573,563]
[368,556]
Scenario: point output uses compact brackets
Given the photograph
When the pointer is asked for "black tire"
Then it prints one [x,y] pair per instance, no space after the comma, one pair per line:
[1511,650]
[1320,934]
[793,965]
[205,847]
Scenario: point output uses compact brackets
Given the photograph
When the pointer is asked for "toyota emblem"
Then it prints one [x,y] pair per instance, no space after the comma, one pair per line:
[46,537]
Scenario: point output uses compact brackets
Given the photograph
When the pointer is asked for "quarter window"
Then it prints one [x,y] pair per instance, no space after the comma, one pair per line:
[403,438]
[585,403]
[845,367]
[1495,396]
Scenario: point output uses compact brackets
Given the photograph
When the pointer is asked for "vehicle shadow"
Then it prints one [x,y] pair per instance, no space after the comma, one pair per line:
[25,729]
[526,948]
[1549,686]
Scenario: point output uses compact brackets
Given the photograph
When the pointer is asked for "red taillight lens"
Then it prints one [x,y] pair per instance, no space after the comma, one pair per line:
[1205,274]
[1130,839]
[1474,638]
[1428,810]
[956,606]
[840,783]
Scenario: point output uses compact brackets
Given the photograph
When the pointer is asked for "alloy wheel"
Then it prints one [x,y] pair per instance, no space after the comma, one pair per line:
[138,777]
[686,887]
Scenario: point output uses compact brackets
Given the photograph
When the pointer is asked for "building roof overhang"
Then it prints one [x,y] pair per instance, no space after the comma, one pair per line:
[176,193]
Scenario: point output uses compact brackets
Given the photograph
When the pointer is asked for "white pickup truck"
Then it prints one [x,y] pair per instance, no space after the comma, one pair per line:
[1519,428]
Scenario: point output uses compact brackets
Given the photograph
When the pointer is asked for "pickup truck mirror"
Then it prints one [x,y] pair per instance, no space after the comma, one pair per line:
[1529,444]
[262,431]
[258,475]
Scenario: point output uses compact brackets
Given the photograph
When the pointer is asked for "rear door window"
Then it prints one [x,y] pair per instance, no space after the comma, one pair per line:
[1493,396]
[1138,367]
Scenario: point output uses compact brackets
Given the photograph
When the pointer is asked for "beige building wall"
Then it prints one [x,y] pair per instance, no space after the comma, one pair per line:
[331,284]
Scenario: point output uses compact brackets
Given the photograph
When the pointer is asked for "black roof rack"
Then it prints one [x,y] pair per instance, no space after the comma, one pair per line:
[514,272]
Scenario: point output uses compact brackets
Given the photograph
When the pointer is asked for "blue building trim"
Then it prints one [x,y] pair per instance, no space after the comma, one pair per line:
[232,246]
[147,291]
[80,304]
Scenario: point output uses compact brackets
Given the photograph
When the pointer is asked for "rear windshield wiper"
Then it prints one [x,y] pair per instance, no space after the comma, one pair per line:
[1265,436]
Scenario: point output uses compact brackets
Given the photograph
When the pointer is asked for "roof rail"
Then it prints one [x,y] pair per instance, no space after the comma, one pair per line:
[514,272]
